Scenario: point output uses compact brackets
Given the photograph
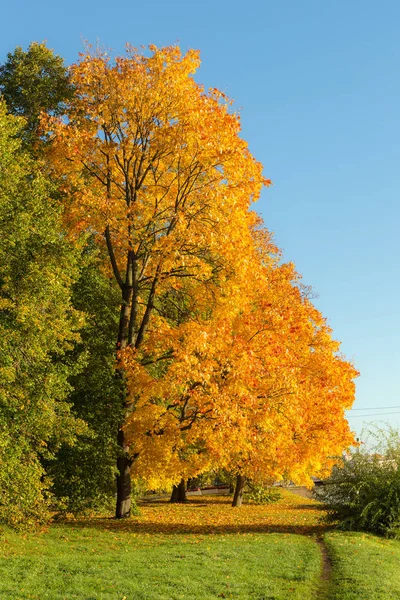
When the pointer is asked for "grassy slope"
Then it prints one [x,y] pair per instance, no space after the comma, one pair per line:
[365,567]
[200,551]
[88,568]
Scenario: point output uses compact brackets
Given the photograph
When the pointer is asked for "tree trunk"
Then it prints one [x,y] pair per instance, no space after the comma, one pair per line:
[124,463]
[127,329]
[179,492]
[238,496]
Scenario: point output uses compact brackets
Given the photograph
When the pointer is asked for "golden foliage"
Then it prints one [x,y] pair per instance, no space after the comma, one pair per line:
[258,388]
[229,365]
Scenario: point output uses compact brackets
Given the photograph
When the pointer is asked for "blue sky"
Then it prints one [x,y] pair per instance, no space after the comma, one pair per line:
[318,86]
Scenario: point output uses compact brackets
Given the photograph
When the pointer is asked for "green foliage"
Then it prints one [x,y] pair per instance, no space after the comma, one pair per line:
[38,330]
[260,494]
[32,82]
[24,489]
[363,493]
[84,474]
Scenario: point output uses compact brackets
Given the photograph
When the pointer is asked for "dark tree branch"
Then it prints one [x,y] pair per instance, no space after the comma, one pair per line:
[110,249]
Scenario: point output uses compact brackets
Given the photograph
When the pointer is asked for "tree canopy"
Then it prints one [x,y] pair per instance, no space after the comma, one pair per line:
[31,82]
[156,166]
[38,328]
[161,323]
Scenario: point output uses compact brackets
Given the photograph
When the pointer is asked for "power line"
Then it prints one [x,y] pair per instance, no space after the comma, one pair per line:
[375,415]
[375,408]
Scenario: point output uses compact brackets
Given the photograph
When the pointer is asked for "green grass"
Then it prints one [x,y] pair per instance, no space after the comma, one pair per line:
[365,567]
[91,564]
[200,551]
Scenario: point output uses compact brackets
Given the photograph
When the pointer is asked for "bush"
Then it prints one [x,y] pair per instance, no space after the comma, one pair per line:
[24,489]
[262,495]
[363,493]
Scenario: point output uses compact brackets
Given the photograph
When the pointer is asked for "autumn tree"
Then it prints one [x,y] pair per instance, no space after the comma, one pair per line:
[38,329]
[260,389]
[299,386]
[154,167]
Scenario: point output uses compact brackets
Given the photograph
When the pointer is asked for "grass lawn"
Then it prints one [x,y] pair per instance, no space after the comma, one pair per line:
[365,567]
[199,551]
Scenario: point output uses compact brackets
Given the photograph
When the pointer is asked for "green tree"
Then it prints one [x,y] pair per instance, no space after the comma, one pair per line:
[33,81]
[84,474]
[38,330]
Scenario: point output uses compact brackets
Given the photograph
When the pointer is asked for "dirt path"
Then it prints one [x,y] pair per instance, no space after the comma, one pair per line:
[301,491]
[322,591]
[326,574]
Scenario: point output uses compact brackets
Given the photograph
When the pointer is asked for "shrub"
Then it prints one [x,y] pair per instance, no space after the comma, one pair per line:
[363,493]
[262,495]
[24,489]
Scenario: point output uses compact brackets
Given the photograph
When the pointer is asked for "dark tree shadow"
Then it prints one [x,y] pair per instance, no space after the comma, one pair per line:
[130,526]
[320,507]
[155,526]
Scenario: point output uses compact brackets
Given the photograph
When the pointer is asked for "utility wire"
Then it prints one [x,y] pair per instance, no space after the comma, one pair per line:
[375,415]
[375,408]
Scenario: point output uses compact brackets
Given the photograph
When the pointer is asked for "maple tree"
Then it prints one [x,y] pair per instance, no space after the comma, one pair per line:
[258,389]
[299,387]
[153,165]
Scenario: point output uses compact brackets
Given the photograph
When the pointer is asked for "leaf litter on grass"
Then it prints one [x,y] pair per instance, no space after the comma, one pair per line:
[206,515]
[197,550]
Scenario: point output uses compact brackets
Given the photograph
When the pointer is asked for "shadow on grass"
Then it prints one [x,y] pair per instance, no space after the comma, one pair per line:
[130,526]
[193,503]
[214,516]
[320,507]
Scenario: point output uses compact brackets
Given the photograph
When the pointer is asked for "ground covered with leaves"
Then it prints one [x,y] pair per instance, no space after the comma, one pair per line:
[201,550]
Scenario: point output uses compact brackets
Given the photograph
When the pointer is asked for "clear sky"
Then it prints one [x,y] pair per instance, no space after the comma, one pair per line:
[318,85]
